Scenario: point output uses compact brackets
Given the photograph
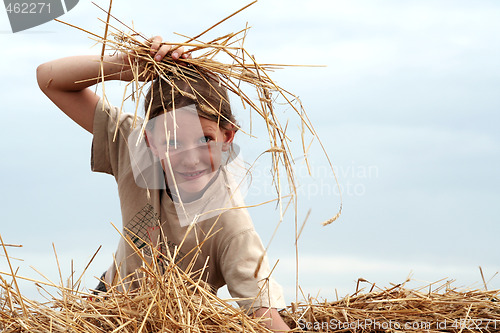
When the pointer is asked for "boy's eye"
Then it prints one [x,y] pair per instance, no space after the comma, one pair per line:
[206,139]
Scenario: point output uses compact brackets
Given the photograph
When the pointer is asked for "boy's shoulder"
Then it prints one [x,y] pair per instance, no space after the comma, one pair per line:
[111,115]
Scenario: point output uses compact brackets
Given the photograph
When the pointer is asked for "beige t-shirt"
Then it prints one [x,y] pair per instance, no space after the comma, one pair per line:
[232,247]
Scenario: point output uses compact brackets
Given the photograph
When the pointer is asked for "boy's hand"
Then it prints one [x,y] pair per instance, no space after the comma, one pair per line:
[159,50]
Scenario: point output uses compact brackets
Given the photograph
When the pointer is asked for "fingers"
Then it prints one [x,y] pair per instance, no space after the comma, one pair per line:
[155,44]
[159,50]
[177,52]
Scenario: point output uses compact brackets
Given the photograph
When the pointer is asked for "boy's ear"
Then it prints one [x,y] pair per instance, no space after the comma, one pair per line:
[150,144]
[228,139]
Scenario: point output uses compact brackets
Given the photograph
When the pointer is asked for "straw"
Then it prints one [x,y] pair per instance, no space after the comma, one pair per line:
[443,308]
[167,299]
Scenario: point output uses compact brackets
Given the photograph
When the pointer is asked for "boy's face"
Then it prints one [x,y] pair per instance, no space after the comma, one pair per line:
[189,148]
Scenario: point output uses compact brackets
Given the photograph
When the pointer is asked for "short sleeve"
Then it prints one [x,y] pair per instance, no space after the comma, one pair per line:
[109,152]
[238,265]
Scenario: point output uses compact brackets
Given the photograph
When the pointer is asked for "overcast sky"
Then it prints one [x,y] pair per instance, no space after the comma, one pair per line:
[407,107]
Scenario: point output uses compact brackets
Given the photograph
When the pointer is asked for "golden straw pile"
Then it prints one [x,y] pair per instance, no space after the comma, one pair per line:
[432,308]
[176,301]
[167,300]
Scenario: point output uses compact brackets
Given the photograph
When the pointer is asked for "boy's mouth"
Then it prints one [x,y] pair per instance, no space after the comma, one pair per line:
[192,175]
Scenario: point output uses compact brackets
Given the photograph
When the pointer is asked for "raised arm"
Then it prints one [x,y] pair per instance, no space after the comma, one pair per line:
[66,81]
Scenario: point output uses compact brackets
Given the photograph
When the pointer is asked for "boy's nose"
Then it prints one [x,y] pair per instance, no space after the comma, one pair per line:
[190,157]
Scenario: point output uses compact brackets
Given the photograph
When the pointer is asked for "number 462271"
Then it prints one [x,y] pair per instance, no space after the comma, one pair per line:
[28,8]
